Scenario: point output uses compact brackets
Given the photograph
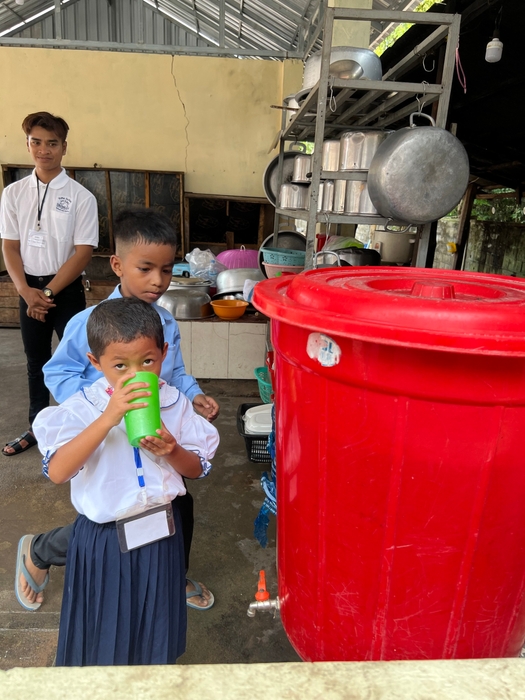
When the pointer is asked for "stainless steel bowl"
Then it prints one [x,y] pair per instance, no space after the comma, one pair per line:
[231,281]
[186,304]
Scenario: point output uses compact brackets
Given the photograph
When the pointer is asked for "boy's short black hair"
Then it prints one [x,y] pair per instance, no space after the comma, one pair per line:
[121,321]
[47,121]
[144,225]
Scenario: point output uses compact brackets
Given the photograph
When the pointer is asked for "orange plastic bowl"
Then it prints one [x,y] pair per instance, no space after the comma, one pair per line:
[229,309]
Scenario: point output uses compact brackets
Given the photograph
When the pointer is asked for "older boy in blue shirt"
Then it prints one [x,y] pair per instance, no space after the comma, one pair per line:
[145,253]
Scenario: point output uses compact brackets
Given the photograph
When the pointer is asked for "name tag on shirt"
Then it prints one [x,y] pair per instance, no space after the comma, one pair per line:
[37,239]
[152,525]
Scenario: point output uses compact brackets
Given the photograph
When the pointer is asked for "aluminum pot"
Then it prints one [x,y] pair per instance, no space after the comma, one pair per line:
[293,106]
[330,158]
[395,246]
[348,256]
[293,196]
[186,304]
[271,180]
[232,281]
[357,200]
[183,282]
[328,196]
[358,148]
[348,62]
[302,170]
[339,196]
[418,174]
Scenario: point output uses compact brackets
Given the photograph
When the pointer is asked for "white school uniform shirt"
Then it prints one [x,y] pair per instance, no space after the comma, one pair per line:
[69,218]
[107,487]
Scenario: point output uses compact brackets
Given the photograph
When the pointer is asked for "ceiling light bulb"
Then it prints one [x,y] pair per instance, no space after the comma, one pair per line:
[19,2]
[494,50]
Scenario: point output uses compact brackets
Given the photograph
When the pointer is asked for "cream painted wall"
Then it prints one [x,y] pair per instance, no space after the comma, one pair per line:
[209,117]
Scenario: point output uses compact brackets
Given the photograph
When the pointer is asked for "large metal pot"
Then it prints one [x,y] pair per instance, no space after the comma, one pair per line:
[231,281]
[348,256]
[293,196]
[186,304]
[395,246]
[358,148]
[418,174]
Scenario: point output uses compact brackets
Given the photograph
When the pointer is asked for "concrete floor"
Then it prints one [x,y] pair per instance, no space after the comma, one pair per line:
[225,556]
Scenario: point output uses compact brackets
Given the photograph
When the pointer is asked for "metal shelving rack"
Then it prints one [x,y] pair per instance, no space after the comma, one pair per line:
[366,103]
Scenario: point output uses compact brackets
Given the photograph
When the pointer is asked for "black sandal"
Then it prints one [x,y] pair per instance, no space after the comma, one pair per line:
[17,447]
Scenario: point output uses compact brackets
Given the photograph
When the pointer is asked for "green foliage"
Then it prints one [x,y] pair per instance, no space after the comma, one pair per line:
[401,29]
[504,210]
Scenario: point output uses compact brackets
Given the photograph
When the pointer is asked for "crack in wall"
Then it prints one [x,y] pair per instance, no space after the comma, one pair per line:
[184,112]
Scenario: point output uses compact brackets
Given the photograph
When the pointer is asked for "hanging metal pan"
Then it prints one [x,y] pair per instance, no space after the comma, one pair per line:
[418,174]
[271,182]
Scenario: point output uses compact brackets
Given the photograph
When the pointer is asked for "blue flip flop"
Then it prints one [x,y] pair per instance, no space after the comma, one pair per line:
[196,592]
[24,546]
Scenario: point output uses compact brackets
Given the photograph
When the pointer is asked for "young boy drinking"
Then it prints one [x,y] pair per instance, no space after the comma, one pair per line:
[124,588]
[145,252]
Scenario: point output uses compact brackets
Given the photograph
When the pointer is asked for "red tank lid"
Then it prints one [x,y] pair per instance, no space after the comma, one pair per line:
[414,307]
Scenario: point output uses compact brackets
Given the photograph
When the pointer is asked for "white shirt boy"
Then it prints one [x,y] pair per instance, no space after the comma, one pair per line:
[69,217]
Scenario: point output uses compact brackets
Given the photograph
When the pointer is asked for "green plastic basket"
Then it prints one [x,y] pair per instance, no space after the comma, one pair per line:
[265,385]
[282,256]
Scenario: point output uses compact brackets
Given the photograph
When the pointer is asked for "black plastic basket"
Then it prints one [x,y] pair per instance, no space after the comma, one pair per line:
[255,444]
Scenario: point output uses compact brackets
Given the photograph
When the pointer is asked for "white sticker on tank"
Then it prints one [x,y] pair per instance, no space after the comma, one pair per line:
[322,348]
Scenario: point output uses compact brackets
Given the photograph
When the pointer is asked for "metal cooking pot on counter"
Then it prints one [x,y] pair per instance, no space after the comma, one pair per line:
[184,282]
[348,256]
[186,304]
[418,174]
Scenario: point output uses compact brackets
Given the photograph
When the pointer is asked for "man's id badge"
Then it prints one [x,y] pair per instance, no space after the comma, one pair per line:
[150,526]
[37,239]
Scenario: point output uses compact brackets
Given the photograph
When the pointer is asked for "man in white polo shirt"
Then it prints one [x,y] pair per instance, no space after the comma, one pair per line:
[49,227]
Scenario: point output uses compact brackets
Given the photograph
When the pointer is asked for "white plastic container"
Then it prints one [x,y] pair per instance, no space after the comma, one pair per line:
[258,420]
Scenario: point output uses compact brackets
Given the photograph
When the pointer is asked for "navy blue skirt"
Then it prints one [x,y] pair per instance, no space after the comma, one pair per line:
[122,609]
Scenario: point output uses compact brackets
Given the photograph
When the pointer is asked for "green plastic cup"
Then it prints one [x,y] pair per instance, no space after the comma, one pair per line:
[142,422]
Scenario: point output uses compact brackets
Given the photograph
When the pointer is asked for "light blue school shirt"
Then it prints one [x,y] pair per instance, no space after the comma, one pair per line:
[69,368]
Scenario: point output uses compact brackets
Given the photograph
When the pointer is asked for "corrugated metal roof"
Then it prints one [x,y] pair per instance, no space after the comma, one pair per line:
[267,27]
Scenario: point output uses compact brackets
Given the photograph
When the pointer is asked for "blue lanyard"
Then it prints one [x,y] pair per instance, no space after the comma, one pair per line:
[140,470]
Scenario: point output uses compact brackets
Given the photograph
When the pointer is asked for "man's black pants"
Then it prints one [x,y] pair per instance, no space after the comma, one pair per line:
[37,335]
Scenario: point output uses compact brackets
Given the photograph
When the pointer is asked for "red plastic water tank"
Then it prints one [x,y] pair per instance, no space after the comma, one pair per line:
[400,409]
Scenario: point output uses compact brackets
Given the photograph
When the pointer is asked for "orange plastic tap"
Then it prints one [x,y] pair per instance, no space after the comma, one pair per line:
[262,593]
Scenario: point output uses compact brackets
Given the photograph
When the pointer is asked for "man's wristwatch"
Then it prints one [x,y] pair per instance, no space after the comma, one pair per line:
[48,293]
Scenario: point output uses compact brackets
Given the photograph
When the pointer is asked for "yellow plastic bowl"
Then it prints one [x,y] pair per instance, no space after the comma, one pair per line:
[229,309]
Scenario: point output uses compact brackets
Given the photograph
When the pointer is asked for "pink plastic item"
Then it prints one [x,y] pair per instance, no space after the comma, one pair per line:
[234,259]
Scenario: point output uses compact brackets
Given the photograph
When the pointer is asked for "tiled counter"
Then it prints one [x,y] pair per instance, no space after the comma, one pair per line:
[217,349]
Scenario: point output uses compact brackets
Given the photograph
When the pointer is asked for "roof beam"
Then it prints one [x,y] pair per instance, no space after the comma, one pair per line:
[146,48]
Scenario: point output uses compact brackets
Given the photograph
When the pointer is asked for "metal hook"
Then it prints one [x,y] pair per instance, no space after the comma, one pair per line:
[421,103]
[428,70]
[332,104]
